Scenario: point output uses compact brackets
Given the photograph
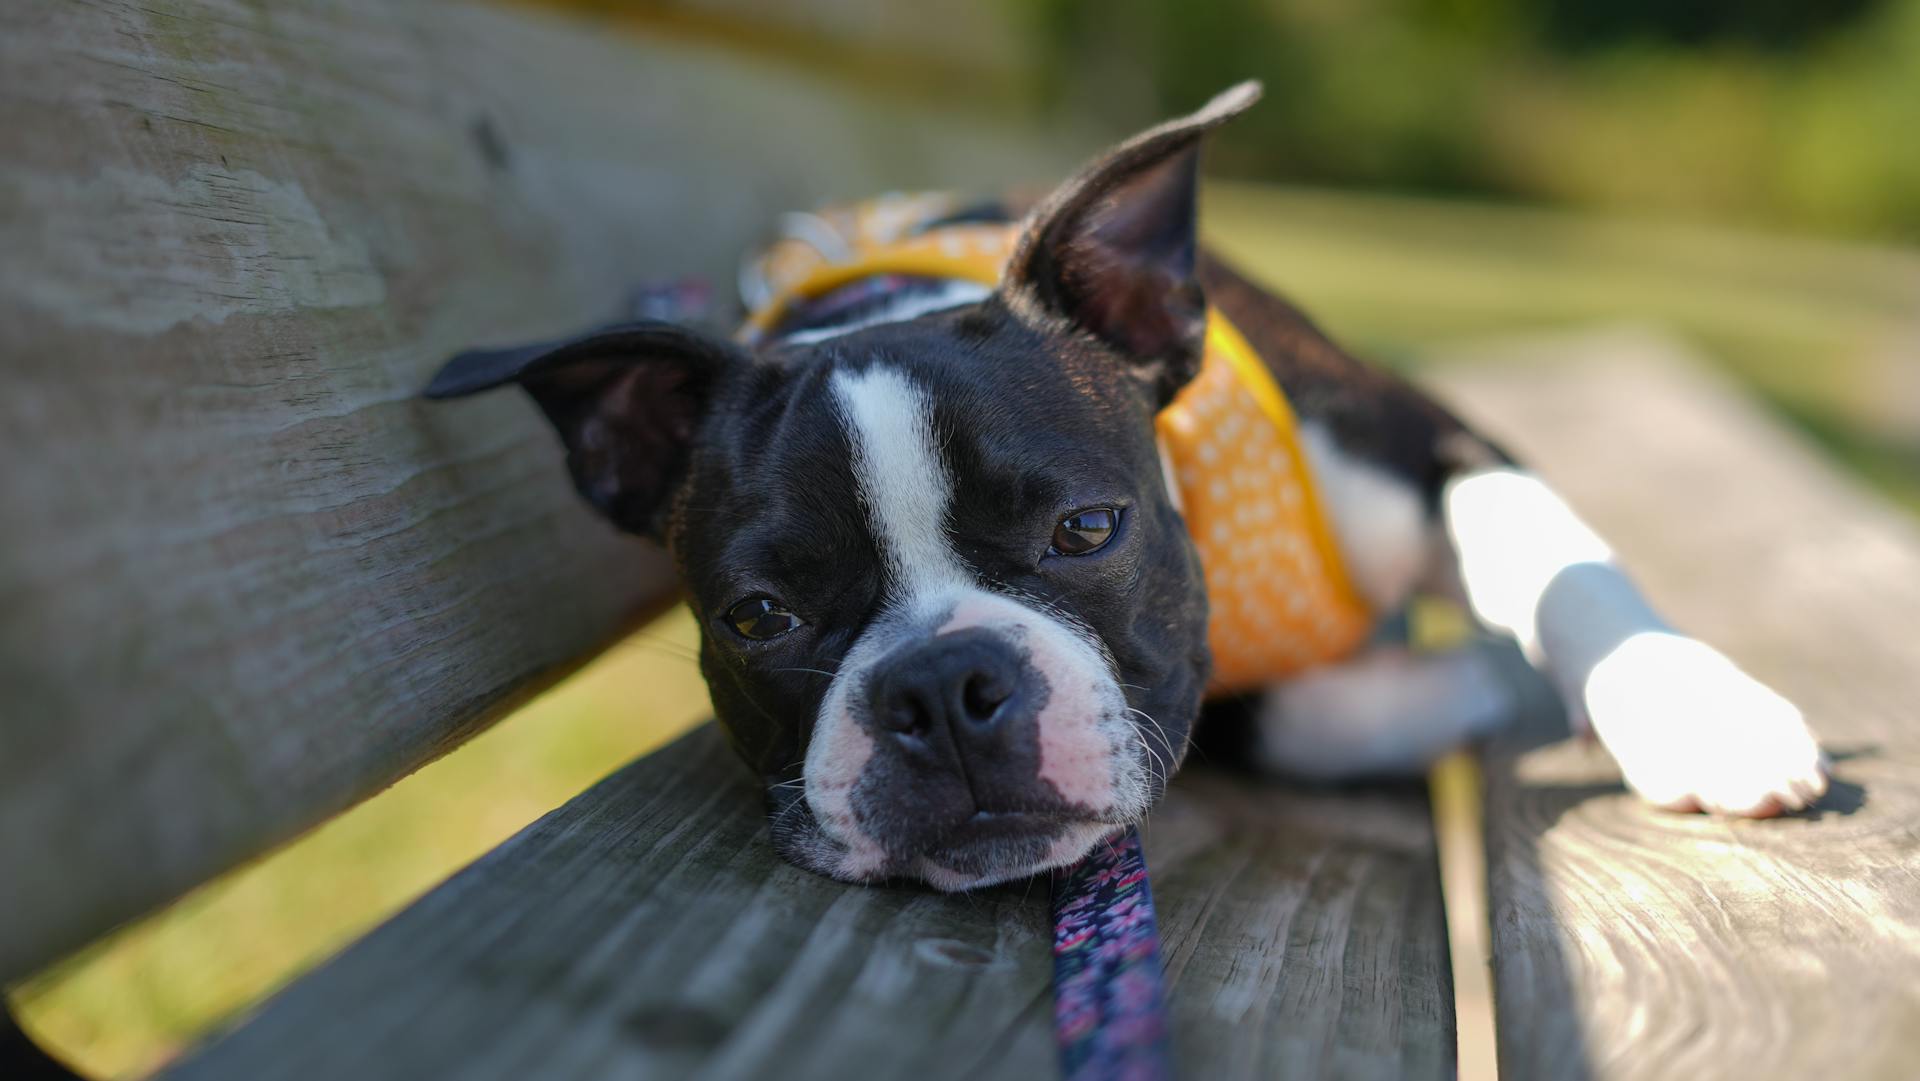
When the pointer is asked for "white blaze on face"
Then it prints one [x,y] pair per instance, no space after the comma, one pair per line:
[1088,746]
[904,484]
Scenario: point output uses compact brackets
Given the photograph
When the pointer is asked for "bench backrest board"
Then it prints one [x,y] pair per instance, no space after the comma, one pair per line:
[246,578]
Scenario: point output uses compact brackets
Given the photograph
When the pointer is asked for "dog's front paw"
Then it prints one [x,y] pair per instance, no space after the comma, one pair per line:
[1692,732]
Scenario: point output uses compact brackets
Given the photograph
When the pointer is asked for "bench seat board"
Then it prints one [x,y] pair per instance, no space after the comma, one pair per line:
[646,929]
[246,578]
[1633,944]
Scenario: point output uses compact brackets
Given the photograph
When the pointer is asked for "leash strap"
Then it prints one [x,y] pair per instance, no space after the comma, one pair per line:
[1109,1001]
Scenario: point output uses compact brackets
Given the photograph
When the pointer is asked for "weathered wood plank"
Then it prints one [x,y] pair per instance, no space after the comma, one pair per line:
[1634,944]
[1303,931]
[647,930]
[245,578]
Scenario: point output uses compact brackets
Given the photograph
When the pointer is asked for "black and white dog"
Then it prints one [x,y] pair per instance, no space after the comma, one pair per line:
[949,609]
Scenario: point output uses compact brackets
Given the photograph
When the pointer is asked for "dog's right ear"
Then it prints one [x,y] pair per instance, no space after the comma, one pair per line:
[1112,251]
[626,401]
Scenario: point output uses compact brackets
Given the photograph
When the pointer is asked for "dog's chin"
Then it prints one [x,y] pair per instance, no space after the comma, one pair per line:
[985,850]
[989,861]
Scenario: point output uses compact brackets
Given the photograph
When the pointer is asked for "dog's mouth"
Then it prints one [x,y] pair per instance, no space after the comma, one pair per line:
[981,848]
[908,775]
[994,846]
[991,831]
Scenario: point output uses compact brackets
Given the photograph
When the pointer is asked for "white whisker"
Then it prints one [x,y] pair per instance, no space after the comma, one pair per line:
[1165,740]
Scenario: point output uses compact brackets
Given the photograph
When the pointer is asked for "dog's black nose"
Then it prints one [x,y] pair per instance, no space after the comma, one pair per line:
[962,684]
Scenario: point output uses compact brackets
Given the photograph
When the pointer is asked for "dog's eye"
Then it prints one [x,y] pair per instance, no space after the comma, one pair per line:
[1084,531]
[761,618]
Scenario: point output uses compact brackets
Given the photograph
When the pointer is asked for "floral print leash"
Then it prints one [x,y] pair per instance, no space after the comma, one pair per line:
[1109,1001]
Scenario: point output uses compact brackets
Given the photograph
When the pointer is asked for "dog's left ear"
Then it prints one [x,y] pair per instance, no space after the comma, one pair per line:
[626,400]
[1111,251]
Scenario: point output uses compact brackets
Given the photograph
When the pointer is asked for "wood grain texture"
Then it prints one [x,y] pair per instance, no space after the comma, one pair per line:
[1628,943]
[245,577]
[647,930]
[1303,930]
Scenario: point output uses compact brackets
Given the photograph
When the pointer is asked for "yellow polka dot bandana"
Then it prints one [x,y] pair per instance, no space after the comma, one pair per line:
[1278,595]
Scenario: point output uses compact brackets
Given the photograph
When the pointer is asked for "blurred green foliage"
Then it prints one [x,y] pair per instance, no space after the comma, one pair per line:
[1786,113]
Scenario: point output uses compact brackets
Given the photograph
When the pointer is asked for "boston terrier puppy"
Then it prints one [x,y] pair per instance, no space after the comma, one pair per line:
[981,507]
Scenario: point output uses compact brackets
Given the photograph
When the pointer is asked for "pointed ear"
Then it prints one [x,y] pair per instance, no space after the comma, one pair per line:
[626,401]
[1111,251]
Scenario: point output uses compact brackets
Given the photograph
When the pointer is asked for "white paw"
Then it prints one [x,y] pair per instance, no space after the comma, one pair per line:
[1691,731]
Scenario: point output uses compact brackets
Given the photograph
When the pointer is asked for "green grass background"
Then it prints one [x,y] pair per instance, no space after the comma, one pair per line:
[1826,334]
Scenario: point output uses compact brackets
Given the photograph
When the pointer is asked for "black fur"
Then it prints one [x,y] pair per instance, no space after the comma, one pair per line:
[625,399]
[1025,442]
[1043,398]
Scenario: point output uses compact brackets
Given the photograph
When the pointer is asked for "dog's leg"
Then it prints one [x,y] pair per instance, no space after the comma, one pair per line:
[1402,477]
[1688,727]
[1388,712]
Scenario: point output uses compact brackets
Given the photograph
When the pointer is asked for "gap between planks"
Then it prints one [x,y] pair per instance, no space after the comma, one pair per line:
[1459,814]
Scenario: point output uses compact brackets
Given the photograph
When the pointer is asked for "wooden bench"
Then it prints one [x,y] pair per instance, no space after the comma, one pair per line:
[256,581]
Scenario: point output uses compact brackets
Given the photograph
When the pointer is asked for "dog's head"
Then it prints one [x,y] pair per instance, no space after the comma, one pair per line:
[949,611]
